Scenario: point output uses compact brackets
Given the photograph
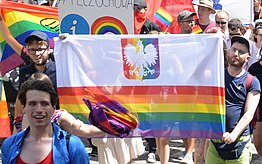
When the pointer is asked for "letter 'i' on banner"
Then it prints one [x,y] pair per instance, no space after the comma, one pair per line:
[4,119]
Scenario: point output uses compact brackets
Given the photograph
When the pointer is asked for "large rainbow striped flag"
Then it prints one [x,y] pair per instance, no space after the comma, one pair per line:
[4,118]
[22,19]
[151,76]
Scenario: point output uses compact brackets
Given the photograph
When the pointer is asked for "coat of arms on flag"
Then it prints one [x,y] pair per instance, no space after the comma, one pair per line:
[140,58]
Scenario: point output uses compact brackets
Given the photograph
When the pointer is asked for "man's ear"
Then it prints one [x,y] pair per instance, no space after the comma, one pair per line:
[247,57]
[50,50]
[54,108]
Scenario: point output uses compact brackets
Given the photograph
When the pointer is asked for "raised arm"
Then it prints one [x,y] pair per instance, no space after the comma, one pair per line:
[17,47]
[72,125]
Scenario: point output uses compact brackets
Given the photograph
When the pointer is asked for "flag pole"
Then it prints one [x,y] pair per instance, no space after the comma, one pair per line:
[54,3]
[166,29]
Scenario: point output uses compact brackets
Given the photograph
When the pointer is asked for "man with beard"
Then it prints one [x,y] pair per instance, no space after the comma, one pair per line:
[38,50]
[242,97]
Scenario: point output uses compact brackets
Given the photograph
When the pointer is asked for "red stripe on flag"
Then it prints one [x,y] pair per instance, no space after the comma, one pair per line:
[137,90]
[10,63]
[4,120]
[5,128]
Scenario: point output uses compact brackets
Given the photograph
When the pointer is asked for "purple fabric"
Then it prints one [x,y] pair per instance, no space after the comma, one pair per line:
[104,121]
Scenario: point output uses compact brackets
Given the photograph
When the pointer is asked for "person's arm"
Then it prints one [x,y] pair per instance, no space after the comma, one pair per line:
[250,108]
[72,125]
[17,47]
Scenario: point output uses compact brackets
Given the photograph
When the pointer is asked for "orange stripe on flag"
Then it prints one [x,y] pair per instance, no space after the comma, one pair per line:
[205,99]
[4,120]
[3,110]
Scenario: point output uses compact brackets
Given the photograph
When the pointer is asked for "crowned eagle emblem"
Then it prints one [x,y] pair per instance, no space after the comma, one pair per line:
[140,58]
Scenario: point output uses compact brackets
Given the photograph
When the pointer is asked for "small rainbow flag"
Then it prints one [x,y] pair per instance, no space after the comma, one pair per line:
[21,19]
[163,16]
[196,29]
[4,119]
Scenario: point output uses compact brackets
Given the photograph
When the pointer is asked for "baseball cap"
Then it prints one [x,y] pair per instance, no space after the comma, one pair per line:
[37,35]
[184,14]
[141,3]
[241,40]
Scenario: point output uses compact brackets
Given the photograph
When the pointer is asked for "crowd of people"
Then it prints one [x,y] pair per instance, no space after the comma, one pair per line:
[44,133]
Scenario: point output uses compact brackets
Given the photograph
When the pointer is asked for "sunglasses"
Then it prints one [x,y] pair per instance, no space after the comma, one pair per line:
[189,21]
[234,34]
[220,22]
[259,35]
[138,8]
[258,26]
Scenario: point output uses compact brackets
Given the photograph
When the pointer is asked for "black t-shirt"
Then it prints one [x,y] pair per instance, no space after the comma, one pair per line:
[12,85]
[149,26]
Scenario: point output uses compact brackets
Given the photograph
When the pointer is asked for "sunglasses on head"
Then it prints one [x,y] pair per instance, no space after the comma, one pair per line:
[258,26]
[220,22]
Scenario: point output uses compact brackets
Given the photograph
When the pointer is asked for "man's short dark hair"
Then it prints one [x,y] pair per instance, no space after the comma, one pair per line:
[40,86]
[234,24]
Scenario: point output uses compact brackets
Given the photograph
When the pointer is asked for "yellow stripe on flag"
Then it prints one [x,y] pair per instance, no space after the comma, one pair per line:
[4,119]
[198,108]
[3,98]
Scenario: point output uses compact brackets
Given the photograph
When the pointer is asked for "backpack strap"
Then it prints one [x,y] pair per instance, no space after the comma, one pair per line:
[253,122]
[248,81]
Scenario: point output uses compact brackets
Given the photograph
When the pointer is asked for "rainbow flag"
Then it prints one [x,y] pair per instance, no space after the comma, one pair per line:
[21,19]
[149,76]
[196,29]
[163,16]
[4,118]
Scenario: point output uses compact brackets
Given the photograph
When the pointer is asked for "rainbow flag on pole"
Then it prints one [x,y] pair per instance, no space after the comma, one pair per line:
[22,19]
[196,29]
[163,16]
[4,118]
[150,77]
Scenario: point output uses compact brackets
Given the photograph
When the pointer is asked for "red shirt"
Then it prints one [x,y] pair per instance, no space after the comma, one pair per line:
[47,160]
